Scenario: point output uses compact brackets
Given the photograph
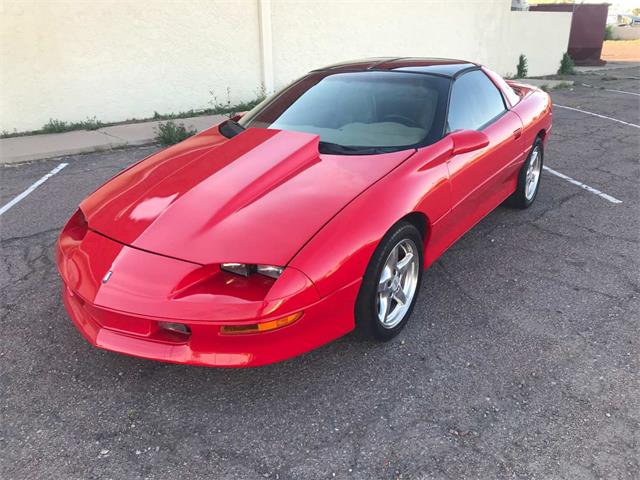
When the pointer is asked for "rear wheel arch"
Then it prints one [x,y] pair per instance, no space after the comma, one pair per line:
[533,164]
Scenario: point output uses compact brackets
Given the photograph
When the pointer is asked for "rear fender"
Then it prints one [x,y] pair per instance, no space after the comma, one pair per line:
[535,111]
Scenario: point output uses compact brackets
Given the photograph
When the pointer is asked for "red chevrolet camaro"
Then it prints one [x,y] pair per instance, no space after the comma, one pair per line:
[313,214]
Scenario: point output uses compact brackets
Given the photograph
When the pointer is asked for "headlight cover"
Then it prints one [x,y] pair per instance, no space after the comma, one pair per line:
[246,269]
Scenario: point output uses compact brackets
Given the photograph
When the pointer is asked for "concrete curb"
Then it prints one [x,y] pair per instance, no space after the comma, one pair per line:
[610,65]
[37,147]
[549,84]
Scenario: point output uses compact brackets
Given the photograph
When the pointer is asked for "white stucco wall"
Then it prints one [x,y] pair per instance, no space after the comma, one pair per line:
[626,33]
[542,36]
[335,30]
[308,34]
[119,59]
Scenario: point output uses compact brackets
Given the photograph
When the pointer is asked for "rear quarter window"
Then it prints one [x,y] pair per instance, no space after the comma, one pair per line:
[475,102]
[510,94]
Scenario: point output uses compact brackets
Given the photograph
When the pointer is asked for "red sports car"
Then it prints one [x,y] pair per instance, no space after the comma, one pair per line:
[313,214]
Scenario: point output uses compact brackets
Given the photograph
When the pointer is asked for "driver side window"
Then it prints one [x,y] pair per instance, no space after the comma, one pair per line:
[475,102]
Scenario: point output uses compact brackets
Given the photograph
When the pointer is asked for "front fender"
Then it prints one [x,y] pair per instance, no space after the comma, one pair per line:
[340,252]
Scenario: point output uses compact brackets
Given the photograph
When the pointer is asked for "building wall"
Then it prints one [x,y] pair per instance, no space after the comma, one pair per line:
[309,34]
[626,33]
[119,59]
[542,36]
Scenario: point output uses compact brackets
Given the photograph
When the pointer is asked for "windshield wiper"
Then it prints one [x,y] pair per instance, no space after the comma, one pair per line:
[337,149]
[231,128]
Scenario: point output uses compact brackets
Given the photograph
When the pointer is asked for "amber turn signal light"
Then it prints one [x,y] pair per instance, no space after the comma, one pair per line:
[260,327]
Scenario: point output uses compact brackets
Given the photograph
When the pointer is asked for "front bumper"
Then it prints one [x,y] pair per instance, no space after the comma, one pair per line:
[138,336]
[124,314]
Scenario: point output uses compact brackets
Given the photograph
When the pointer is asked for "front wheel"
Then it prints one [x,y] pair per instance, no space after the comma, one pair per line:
[390,286]
[529,178]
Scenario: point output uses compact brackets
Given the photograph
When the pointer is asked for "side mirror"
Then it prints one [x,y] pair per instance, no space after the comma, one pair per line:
[468,141]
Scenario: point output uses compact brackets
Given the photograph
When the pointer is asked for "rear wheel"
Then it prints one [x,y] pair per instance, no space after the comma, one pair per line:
[529,178]
[390,286]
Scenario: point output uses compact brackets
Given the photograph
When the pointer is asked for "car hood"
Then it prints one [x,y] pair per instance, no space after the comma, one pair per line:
[255,198]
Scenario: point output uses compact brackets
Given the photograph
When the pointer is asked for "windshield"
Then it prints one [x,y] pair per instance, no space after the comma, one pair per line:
[359,111]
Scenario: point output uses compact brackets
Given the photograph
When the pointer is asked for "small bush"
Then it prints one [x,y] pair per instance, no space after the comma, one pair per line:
[608,32]
[558,86]
[522,67]
[55,126]
[567,67]
[170,133]
[229,109]
[563,85]
[60,126]
[91,124]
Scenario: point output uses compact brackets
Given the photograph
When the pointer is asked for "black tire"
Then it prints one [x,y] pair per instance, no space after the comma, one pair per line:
[403,234]
[519,198]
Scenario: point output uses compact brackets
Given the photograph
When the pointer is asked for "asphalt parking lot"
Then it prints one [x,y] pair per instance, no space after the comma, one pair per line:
[522,358]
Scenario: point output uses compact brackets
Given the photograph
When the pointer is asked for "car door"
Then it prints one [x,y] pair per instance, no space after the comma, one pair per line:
[480,180]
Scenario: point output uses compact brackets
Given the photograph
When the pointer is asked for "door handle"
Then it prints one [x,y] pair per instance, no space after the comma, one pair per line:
[517,133]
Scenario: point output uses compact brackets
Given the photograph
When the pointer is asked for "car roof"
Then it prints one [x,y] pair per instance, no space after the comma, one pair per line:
[446,67]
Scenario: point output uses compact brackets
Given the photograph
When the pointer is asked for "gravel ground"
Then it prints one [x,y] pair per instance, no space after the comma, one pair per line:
[521,360]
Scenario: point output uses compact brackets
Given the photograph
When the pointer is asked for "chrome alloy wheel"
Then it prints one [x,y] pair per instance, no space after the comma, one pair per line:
[533,174]
[398,282]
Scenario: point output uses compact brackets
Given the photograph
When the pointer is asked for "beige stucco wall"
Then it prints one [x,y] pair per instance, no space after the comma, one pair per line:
[334,30]
[119,59]
[308,34]
[626,33]
[542,36]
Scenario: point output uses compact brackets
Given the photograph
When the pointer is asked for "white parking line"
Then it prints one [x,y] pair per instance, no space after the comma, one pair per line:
[597,115]
[582,185]
[32,188]
[612,90]
[622,91]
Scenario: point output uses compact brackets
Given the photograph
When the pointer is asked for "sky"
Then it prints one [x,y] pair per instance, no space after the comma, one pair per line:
[621,6]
